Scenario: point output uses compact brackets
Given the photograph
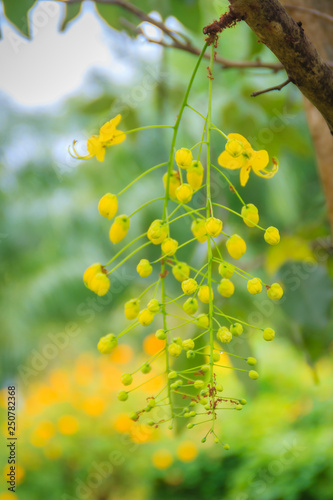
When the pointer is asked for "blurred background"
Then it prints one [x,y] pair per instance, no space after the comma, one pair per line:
[75,438]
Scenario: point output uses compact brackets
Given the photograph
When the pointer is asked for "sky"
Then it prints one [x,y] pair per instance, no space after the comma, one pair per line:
[54,65]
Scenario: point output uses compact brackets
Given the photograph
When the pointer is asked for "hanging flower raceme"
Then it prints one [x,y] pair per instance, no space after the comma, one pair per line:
[108,136]
[238,154]
[191,323]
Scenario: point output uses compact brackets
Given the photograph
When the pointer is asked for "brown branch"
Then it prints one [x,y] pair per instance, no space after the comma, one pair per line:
[270,21]
[185,45]
[314,12]
[270,89]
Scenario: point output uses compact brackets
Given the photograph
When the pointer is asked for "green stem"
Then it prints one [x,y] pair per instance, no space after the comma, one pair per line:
[145,205]
[140,177]
[129,256]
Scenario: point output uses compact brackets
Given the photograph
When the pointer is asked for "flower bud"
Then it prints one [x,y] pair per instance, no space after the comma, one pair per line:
[199,384]
[254,286]
[119,228]
[226,270]
[205,368]
[174,183]
[107,343]
[145,317]
[190,426]
[224,335]
[202,321]
[184,193]
[205,294]
[198,228]
[213,226]
[108,205]
[91,272]
[172,375]
[250,215]
[122,396]
[275,291]
[226,447]
[183,158]
[236,246]
[190,306]
[174,350]
[243,402]
[160,334]
[253,374]
[169,246]
[126,379]
[236,329]
[181,271]
[226,287]
[272,236]
[100,284]
[189,286]
[132,308]
[134,416]
[153,306]
[144,268]
[268,334]
[194,175]
[190,354]
[219,388]
[251,361]
[188,344]
[234,148]
[157,232]
[216,357]
[146,368]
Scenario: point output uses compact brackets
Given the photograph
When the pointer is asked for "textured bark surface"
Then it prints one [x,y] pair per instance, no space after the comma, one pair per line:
[321,34]
[286,39]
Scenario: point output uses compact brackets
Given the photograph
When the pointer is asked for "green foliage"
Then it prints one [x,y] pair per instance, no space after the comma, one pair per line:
[72,11]
[17,13]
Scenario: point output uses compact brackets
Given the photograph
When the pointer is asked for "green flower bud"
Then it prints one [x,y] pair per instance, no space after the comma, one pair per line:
[160,334]
[134,416]
[268,334]
[153,306]
[122,396]
[190,354]
[172,375]
[251,361]
[253,374]
[126,379]
[146,368]
[190,426]
[226,447]
[236,329]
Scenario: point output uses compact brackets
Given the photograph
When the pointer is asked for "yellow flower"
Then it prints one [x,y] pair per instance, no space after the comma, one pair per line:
[157,232]
[183,158]
[254,286]
[108,136]
[226,287]
[174,182]
[194,175]
[107,343]
[226,270]
[187,451]
[132,308]
[184,193]
[189,286]
[275,291]
[145,317]
[119,228]
[108,205]
[224,335]
[250,215]
[144,268]
[242,156]
[169,246]
[205,293]
[198,228]
[213,226]
[68,425]
[162,459]
[99,284]
[272,235]
[181,271]
[236,246]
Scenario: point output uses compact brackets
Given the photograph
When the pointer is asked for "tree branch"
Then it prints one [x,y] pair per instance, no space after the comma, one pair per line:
[270,21]
[313,12]
[270,89]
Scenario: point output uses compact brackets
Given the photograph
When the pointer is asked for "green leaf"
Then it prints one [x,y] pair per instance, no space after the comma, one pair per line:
[308,293]
[17,13]
[112,15]
[71,12]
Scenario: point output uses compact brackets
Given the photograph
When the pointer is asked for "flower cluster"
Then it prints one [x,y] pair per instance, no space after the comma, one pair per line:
[202,289]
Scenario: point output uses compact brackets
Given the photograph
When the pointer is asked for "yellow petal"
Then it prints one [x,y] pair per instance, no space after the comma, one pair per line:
[100,155]
[95,147]
[259,160]
[244,174]
[117,138]
[107,131]
[228,161]
[241,139]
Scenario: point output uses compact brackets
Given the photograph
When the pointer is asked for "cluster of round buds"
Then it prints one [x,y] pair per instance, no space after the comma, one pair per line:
[201,290]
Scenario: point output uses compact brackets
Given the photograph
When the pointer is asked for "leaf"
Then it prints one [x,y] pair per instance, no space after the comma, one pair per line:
[188,12]
[308,293]
[17,13]
[112,15]
[71,12]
